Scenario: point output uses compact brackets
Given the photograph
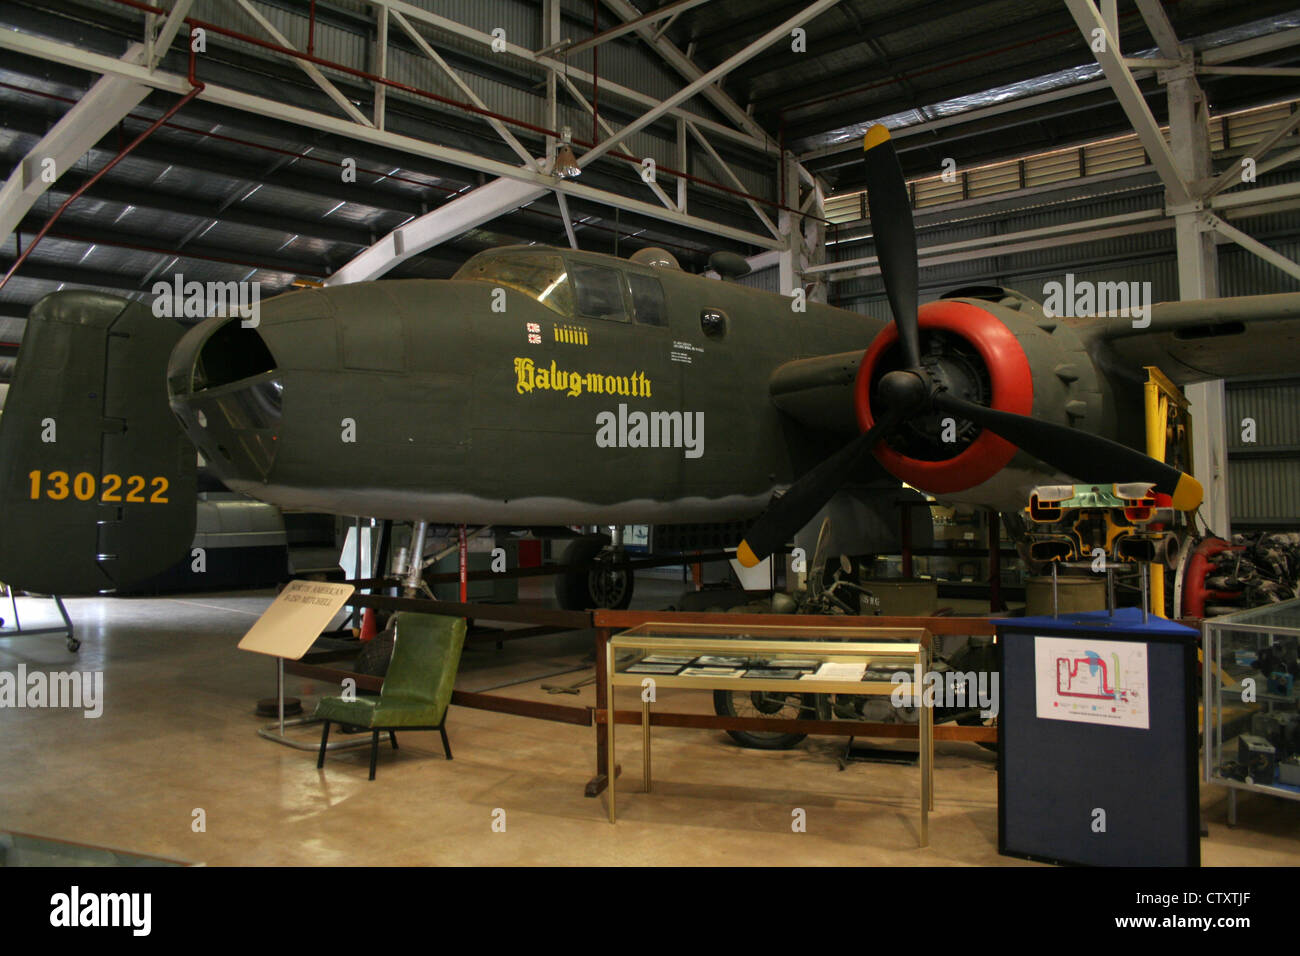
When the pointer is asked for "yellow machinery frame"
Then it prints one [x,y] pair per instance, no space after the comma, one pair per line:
[1159,394]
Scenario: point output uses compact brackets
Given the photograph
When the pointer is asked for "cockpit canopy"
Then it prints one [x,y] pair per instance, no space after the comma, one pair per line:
[570,287]
[541,277]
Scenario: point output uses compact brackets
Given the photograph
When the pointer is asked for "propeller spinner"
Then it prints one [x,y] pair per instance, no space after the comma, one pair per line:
[914,391]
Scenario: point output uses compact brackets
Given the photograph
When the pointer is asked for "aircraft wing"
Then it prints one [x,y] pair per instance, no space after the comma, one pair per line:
[1206,339]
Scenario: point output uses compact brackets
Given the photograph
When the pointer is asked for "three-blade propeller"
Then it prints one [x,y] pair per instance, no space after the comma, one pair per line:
[912,391]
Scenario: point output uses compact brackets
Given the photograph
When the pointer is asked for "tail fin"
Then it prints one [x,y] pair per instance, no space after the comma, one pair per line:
[97,481]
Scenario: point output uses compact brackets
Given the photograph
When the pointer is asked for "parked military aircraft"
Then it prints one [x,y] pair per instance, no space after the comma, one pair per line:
[545,386]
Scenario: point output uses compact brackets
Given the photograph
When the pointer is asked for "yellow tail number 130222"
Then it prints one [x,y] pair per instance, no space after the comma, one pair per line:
[58,486]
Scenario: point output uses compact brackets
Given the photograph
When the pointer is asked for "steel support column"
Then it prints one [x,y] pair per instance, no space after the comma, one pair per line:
[1091,23]
[1184,159]
[789,263]
[1198,278]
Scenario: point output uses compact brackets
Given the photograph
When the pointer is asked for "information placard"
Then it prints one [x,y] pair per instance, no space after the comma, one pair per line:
[1091,681]
[296,618]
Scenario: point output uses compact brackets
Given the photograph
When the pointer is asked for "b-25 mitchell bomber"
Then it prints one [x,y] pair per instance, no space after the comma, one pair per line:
[545,387]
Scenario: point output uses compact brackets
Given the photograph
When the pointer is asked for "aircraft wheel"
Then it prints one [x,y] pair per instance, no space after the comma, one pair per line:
[603,587]
[74,645]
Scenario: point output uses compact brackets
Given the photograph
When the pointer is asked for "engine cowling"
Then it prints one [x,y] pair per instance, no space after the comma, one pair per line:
[1010,358]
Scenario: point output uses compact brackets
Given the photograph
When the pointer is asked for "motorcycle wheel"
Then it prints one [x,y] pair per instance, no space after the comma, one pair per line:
[783,705]
[975,720]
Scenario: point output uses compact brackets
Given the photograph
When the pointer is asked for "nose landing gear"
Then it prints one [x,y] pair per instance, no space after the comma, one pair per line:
[593,579]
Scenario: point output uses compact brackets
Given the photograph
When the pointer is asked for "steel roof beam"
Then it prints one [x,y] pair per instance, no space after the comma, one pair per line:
[680,62]
[446,24]
[721,163]
[75,134]
[670,10]
[1162,31]
[796,94]
[1251,244]
[464,87]
[1283,40]
[854,145]
[302,180]
[311,69]
[449,220]
[1130,97]
[199,113]
[609,131]
[704,80]
[1232,176]
[158,43]
[236,99]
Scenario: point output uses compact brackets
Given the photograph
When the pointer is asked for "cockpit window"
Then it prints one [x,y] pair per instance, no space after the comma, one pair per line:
[600,293]
[540,277]
[647,300]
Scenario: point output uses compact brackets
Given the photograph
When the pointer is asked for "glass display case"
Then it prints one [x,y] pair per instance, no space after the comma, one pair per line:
[776,659]
[1252,722]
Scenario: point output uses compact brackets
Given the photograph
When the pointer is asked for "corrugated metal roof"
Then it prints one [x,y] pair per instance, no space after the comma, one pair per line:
[220,188]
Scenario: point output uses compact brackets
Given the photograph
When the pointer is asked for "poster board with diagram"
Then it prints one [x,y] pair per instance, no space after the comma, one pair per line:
[1097,734]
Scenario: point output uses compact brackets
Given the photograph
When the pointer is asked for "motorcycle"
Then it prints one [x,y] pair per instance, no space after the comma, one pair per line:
[839,597]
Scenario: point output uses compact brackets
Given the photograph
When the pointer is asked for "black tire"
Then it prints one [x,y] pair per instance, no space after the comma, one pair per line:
[983,657]
[790,706]
[580,590]
[975,720]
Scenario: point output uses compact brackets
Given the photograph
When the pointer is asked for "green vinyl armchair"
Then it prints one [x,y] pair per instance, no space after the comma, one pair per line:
[417,688]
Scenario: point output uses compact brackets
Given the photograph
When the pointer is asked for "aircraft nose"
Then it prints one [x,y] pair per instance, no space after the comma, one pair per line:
[226,389]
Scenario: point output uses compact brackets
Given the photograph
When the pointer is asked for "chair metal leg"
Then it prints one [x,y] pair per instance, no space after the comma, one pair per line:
[446,746]
[392,737]
[324,739]
[374,752]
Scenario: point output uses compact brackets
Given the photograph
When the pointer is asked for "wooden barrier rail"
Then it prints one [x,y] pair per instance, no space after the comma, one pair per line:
[833,728]
[606,622]
[538,710]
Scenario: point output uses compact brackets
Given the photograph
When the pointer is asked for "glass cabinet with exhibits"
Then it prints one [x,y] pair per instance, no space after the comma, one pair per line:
[1252,721]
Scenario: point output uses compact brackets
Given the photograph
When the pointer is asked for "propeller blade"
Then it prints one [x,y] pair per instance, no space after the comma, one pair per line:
[796,507]
[891,222]
[1082,455]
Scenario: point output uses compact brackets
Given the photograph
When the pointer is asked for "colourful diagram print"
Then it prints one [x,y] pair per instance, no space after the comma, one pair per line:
[1092,682]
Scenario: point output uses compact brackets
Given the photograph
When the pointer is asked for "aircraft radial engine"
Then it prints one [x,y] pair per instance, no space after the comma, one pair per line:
[973,375]
[1003,354]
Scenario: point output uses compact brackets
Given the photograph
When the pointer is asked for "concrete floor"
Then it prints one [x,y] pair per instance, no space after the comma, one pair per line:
[178,734]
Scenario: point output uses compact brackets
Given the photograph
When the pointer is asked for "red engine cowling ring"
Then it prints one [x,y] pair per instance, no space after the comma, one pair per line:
[1013,391]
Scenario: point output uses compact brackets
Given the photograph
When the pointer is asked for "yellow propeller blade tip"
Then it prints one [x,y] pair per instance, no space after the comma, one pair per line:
[875,136]
[1188,493]
[746,556]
